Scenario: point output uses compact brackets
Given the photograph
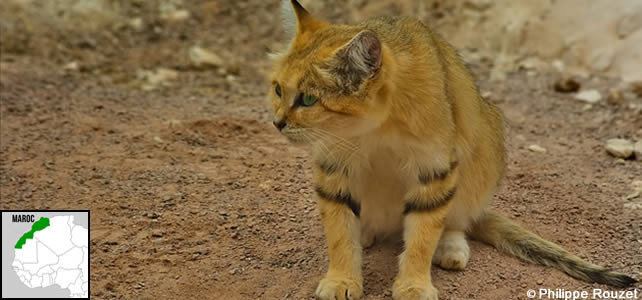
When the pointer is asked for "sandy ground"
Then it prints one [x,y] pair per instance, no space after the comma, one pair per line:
[194,194]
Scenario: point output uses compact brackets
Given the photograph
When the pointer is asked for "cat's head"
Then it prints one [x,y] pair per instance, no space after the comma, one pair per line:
[328,80]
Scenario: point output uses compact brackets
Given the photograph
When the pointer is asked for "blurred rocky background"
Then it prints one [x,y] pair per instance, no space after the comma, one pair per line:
[152,114]
[576,37]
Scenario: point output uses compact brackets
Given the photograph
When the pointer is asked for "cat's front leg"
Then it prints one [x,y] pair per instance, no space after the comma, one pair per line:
[426,207]
[339,215]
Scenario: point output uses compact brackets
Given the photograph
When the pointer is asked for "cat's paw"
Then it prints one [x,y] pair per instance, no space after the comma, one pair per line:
[339,288]
[452,252]
[409,291]
[454,259]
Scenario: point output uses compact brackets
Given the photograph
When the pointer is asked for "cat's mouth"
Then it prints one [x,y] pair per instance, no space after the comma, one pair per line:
[296,136]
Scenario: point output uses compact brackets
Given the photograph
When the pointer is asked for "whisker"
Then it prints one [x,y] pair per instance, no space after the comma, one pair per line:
[348,149]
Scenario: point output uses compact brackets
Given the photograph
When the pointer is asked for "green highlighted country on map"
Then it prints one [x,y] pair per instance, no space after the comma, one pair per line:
[39,225]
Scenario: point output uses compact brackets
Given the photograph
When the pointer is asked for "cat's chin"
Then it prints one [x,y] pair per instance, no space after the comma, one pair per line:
[297,141]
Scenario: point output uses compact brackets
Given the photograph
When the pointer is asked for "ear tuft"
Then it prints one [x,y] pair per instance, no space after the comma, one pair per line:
[363,53]
[288,19]
[297,20]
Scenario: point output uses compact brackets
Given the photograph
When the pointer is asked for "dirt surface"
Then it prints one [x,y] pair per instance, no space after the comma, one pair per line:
[194,194]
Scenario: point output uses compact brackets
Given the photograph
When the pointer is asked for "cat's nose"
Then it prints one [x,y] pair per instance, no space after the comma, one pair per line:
[279,124]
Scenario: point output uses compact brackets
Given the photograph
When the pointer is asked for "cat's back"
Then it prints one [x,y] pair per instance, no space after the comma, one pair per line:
[402,34]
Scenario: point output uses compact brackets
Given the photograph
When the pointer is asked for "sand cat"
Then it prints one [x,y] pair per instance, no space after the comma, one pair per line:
[402,142]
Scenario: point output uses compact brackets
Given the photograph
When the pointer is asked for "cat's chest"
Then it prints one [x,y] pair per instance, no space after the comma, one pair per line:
[380,185]
[381,175]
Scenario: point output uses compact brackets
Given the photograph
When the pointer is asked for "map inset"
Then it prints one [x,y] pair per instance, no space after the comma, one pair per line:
[51,253]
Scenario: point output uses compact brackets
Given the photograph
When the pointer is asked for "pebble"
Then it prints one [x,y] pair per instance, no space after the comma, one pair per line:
[537,148]
[202,58]
[479,5]
[153,79]
[558,65]
[136,24]
[619,148]
[632,195]
[636,88]
[176,15]
[589,96]
[72,66]
[637,150]
[567,85]
[615,97]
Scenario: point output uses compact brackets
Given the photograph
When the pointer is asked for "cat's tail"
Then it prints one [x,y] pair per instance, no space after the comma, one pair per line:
[509,237]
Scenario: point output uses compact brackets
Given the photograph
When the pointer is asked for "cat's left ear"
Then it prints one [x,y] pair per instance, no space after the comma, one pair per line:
[361,57]
[296,19]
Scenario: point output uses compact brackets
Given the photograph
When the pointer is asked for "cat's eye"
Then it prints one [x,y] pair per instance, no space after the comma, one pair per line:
[277,90]
[308,100]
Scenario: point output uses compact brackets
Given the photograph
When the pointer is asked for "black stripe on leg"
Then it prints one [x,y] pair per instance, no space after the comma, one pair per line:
[417,205]
[426,176]
[343,198]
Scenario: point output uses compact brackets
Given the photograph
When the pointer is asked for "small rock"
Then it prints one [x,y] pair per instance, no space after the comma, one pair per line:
[601,60]
[558,65]
[136,24]
[589,96]
[176,15]
[616,97]
[633,205]
[531,63]
[537,148]
[158,140]
[72,66]
[628,24]
[637,150]
[478,5]
[158,77]
[540,281]
[587,107]
[568,85]
[636,87]
[202,58]
[619,148]
[632,195]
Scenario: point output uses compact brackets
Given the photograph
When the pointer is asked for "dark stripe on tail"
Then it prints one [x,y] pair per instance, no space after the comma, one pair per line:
[573,267]
[511,238]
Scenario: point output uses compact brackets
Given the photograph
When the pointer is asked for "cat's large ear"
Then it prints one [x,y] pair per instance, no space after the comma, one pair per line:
[296,19]
[360,59]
